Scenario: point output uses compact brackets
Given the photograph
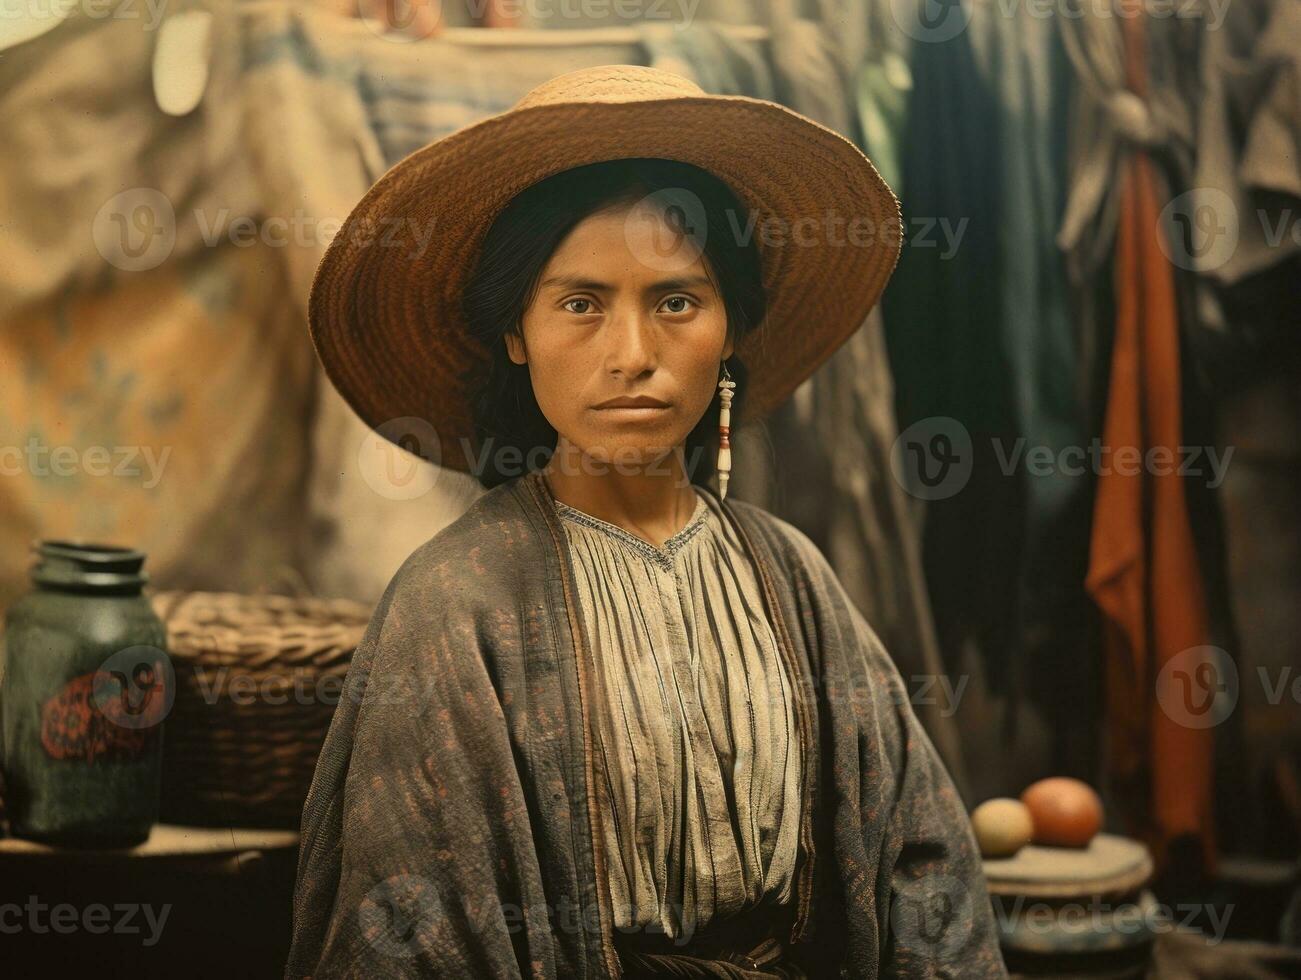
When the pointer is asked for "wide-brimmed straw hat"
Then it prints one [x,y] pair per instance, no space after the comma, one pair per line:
[385,309]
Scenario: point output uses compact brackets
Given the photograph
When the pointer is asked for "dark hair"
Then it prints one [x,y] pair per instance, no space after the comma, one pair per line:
[518,246]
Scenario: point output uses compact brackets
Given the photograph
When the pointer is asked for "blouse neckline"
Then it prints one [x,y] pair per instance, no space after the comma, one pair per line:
[663,555]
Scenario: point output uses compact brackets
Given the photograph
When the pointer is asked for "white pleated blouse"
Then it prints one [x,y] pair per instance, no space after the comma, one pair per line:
[698,758]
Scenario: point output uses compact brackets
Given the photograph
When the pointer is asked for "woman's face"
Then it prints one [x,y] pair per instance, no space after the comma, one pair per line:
[624,310]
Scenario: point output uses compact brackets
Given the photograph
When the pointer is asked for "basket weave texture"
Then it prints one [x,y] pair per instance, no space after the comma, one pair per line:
[257,681]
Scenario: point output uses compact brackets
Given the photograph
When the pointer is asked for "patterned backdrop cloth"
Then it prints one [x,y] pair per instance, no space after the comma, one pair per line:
[156,386]
[147,259]
[165,394]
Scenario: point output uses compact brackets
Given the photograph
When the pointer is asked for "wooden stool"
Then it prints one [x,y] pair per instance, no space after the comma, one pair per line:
[1085,912]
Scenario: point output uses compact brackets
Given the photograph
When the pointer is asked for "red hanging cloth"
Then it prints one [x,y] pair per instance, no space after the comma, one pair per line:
[1143,564]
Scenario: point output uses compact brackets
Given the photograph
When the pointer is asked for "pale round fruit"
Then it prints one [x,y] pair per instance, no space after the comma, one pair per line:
[1003,826]
[1066,812]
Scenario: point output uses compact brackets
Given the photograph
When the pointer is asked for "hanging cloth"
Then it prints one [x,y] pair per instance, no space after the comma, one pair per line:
[1144,573]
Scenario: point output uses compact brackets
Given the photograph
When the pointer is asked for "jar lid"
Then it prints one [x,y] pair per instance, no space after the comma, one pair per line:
[77,564]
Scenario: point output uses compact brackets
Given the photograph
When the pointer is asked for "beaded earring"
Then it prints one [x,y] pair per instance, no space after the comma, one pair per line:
[726,387]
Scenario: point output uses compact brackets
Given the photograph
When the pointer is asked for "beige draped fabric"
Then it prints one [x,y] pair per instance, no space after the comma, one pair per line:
[698,760]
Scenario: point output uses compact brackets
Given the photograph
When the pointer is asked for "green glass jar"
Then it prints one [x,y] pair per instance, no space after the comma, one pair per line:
[85,687]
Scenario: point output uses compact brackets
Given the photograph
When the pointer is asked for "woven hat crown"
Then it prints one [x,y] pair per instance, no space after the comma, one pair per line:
[610,84]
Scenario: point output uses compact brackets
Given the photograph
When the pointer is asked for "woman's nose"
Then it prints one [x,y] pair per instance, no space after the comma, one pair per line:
[631,347]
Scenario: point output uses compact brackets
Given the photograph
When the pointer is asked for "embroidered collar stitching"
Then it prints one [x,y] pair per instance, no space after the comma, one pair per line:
[663,556]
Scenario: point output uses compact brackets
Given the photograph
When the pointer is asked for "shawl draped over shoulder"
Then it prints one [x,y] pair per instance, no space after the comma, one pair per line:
[448,831]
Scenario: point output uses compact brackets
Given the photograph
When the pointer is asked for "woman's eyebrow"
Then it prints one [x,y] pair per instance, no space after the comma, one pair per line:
[596,286]
[685,282]
[576,282]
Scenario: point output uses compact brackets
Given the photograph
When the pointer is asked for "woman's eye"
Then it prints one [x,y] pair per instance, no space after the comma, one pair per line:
[568,304]
[678,304]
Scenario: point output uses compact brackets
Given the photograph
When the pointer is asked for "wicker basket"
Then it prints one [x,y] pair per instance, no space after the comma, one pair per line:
[257,680]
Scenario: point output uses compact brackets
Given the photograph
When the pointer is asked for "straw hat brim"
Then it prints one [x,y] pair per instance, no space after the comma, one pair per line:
[385,314]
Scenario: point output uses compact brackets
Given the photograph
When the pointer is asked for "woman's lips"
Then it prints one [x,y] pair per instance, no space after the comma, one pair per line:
[633,411]
[641,408]
[632,401]
[633,406]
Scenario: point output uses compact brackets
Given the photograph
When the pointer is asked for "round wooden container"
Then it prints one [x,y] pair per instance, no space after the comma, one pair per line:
[1084,912]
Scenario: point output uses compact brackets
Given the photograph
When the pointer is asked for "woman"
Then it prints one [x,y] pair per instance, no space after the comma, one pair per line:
[610,723]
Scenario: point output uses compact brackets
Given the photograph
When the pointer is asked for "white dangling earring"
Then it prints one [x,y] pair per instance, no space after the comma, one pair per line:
[726,386]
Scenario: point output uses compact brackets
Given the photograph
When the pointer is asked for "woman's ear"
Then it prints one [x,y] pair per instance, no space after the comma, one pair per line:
[728,345]
[515,348]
